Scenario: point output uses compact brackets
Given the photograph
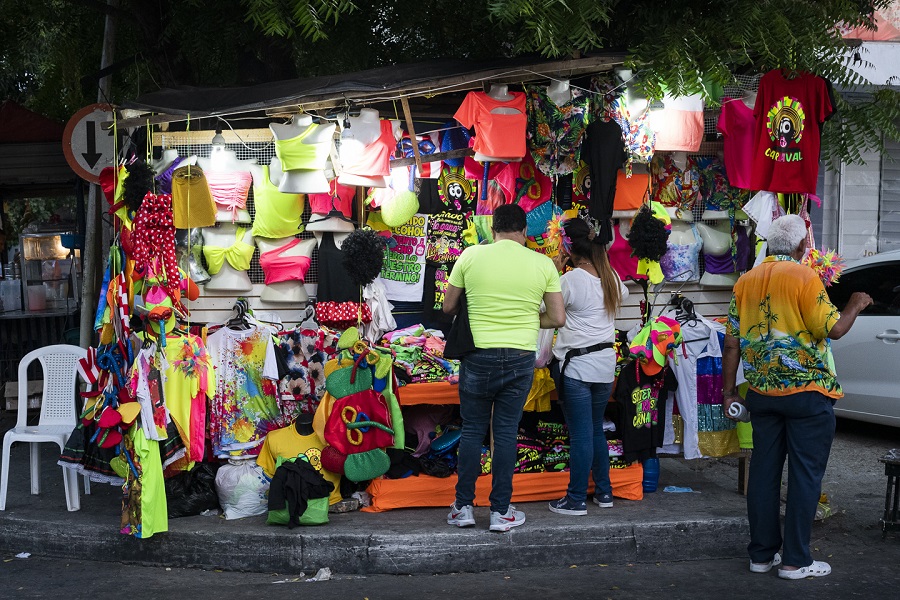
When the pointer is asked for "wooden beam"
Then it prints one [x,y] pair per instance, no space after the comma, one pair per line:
[407,114]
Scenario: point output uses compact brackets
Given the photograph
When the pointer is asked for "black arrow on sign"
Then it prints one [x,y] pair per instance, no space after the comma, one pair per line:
[91,156]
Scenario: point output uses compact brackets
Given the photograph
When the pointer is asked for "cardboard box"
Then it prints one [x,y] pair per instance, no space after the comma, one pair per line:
[11,393]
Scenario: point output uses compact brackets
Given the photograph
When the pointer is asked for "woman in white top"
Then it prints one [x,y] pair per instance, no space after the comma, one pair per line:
[586,361]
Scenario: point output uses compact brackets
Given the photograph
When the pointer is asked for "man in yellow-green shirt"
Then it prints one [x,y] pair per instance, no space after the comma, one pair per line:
[504,283]
[779,323]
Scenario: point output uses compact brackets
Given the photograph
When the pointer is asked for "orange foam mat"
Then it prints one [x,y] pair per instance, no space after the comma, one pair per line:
[438,392]
[424,490]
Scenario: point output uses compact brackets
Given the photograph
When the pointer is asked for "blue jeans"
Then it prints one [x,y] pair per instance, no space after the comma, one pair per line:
[491,381]
[801,427]
[583,404]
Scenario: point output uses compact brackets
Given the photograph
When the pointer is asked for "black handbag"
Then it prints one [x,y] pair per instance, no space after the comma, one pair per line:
[459,339]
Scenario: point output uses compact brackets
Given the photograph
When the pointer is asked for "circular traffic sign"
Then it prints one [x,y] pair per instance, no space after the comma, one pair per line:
[89,147]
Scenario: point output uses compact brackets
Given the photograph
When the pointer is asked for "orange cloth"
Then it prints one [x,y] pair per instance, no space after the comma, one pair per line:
[425,490]
[438,392]
[630,191]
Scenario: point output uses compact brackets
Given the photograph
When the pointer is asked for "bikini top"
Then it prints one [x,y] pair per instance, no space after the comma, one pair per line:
[375,158]
[734,260]
[295,154]
[681,262]
[278,268]
[238,254]
[229,189]
[164,179]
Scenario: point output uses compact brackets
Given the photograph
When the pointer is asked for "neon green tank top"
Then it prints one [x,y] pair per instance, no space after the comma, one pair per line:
[277,214]
[294,154]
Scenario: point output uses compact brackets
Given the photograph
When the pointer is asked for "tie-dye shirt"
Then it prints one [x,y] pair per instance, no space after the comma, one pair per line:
[781,315]
[245,407]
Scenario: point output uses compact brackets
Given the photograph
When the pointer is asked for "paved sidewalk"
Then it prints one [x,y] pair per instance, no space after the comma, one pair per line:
[663,526]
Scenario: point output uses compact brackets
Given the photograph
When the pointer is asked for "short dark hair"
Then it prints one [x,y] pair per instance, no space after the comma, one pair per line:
[509,218]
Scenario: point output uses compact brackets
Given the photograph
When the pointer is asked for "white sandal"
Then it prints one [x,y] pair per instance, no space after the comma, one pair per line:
[766,566]
[817,569]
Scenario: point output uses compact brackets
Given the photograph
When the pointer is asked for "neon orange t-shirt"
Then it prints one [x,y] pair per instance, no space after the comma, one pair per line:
[496,134]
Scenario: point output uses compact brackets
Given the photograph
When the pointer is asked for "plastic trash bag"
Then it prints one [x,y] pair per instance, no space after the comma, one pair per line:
[243,489]
[192,492]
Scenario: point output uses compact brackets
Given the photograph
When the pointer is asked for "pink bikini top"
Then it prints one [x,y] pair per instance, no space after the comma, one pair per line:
[229,190]
[374,160]
[277,268]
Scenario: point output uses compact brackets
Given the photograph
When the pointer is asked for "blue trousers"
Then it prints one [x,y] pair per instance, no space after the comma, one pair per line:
[493,386]
[800,427]
[583,404]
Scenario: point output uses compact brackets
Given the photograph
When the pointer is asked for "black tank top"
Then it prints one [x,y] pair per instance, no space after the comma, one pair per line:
[334,282]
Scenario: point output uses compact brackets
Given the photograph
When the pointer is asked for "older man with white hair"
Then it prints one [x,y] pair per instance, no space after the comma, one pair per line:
[779,323]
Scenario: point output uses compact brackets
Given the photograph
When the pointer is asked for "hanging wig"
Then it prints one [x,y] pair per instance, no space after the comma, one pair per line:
[363,255]
[138,184]
[648,235]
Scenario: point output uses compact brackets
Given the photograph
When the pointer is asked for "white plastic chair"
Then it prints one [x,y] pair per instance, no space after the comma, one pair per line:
[57,419]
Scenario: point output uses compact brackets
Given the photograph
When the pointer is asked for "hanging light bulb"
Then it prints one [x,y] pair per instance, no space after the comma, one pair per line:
[218,139]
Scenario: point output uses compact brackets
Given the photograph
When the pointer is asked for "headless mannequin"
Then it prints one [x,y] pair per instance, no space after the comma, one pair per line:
[716,238]
[304,424]
[168,157]
[499,93]
[749,99]
[559,91]
[682,233]
[228,279]
[285,291]
[303,181]
[223,160]
[363,131]
[339,237]
[637,103]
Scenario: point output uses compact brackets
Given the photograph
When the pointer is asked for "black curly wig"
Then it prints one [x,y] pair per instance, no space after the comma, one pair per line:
[137,184]
[648,235]
[363,252]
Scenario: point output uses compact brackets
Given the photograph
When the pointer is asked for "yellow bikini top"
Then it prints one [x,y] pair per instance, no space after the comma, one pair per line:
[294,154]
[238,254]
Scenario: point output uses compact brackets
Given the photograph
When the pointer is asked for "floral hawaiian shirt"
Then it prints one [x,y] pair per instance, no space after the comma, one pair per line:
[781,315]
[554,132]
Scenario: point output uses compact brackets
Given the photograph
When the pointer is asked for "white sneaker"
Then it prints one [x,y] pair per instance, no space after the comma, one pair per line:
[461,517]
[505,522]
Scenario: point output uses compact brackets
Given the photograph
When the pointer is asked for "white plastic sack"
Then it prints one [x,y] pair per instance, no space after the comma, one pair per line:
[243,489]
[544,348]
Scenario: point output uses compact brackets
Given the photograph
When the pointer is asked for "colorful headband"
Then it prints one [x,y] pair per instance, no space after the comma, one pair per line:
[556,228]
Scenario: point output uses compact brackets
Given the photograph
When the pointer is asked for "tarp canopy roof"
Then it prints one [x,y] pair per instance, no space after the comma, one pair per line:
[20,125]
[32,163]
[363,87]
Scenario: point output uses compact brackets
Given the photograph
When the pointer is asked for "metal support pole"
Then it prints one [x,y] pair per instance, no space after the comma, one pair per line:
[93,236]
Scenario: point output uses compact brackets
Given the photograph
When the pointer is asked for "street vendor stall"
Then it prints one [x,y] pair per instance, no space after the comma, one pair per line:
[273,297]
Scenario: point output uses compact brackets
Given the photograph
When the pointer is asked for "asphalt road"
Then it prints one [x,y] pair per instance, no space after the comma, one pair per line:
[864,566]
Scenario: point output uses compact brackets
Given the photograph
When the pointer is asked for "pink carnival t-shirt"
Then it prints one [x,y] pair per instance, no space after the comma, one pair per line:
[737,126]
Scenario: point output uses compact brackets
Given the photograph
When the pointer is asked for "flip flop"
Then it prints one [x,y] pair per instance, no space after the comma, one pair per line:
[816,569]
[766,566]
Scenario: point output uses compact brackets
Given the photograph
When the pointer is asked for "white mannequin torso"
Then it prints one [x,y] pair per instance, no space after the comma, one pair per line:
[682,233]
[339,237]
[228,278]
[716,238]
[303,181]
[363,131]
[559,92]
[499,93]
[223,160]
[168,157]
[285,291]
